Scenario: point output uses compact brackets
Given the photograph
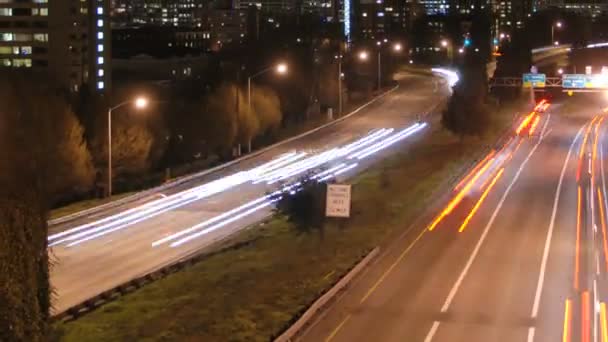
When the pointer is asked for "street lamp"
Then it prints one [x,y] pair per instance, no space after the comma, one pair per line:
[138,103]
[448,46]
[364,56]
[340,77]
[559,25]
[280,68]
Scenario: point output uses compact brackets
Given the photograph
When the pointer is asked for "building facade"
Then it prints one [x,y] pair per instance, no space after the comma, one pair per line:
[380,19]
[69,40]
[588,8]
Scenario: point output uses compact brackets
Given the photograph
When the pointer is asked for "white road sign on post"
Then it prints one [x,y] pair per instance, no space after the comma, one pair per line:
[338,200]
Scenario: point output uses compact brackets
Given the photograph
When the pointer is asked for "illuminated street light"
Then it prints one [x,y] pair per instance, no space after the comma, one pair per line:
[559,25]
[502,36]
[282,68]
[556,43]
[397,47]
[444,43]
[461,50]
[139,103]
[560,71]
[363,55]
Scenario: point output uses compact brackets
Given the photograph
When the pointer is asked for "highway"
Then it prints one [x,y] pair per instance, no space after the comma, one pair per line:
[518,251]
[105,249]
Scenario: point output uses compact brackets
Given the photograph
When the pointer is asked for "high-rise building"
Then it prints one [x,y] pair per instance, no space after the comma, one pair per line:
[267,5]
[379,19]
[589,8]
[433,7]
[69,39]
[159,12]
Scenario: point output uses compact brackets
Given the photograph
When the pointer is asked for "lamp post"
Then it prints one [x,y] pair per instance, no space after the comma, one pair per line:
[448,46]
[280,68]
[364,56]
[339,57]
[553,26]
[139,103]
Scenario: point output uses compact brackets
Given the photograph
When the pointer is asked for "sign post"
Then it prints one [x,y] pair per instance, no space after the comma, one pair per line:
[337,202]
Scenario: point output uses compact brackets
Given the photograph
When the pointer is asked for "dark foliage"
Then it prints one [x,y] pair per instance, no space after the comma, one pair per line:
[467,113]
[30,159]
[304,207]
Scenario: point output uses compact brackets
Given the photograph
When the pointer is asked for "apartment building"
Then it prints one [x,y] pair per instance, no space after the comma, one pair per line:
[69,39]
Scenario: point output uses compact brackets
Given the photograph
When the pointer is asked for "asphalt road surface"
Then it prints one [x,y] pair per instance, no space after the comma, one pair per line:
[103,250]
[518,253]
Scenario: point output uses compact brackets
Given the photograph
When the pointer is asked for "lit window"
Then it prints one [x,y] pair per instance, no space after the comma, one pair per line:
[26,50]
[100,72]
[6,12]
[99,48]
[99,60]
[99,23]
[27,63]
[41,37]
[99,10]
[100,85]
[99,35]
[44,12]
[6,37]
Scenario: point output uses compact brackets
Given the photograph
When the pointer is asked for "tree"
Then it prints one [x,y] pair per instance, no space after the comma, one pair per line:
[220,127]
[267,108]
[47,120]
[304,207]
[41,147]
[467,113]
[481,33]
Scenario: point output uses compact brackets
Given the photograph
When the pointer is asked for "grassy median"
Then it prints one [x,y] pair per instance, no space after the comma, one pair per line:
[253,292]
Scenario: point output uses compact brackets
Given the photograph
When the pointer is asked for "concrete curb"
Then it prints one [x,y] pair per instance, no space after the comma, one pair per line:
[302,323]
[152,191]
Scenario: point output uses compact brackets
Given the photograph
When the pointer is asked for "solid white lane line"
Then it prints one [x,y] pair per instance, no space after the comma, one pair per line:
[473,255]
[531,333]
[431,334]
[543,265]
[596,311]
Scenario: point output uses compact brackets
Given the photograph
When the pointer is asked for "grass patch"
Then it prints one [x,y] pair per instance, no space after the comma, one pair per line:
[83,205]
[253,292]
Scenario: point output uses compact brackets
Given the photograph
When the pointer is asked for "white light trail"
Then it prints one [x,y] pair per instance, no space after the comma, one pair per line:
[281,168]
[221,224]
[451,76]
[388,142]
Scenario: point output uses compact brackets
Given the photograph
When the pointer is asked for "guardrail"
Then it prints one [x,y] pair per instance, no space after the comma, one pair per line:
[305,320]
